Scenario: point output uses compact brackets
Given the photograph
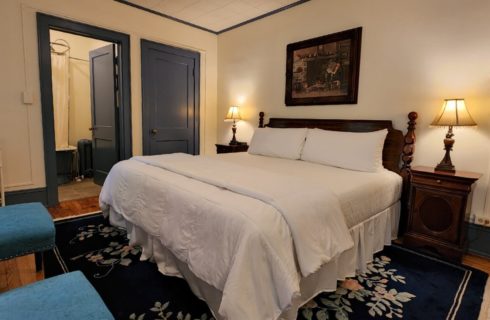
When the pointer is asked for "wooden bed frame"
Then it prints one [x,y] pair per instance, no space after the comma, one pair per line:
[397,147]
[397,151]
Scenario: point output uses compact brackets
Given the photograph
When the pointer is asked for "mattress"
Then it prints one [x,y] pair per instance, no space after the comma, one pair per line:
[361,194]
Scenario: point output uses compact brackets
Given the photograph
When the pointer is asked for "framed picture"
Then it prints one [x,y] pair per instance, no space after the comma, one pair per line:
[324,70]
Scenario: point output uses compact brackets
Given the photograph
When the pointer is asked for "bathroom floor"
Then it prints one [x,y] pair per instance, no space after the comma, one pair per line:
[76,198]
[78,190]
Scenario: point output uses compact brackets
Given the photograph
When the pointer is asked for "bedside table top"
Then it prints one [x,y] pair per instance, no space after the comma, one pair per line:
[458,174]
[226,148]
[231,145]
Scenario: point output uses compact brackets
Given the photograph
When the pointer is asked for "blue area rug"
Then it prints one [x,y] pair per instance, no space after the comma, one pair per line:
[400,284]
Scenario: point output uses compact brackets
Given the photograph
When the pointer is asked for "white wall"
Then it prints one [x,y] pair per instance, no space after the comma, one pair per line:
[414,54]
[21,124]
[80,116]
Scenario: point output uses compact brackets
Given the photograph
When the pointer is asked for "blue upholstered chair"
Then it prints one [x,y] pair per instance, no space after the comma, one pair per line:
[68,296]
[28,228]
[24,229]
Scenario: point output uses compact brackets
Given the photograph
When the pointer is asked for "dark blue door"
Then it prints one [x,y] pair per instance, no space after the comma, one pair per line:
[103,86]
[170,89]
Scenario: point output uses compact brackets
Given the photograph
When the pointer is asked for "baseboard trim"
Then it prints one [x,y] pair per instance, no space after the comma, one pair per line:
[479,240]
[27,195]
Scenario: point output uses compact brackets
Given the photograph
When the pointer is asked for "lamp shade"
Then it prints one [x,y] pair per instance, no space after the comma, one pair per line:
[233,114]
[454,113]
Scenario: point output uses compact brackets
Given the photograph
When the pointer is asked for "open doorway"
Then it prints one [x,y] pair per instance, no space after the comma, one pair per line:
[85,97]
[72,75]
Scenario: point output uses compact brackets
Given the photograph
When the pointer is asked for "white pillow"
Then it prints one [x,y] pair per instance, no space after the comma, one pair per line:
[361,151]
[276,142]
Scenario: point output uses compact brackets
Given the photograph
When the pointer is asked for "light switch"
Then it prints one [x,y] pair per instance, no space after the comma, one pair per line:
[27,97]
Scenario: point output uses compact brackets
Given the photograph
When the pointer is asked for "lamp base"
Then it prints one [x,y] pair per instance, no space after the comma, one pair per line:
[446,167]
[446,164]
[233,141]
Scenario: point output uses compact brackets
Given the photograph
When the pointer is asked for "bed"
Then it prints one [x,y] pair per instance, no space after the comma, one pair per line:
[252,241]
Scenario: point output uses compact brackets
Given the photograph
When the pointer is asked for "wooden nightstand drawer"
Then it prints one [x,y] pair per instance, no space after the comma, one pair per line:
[440,182]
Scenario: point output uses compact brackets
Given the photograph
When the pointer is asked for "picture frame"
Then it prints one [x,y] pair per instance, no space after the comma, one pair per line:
[324,70]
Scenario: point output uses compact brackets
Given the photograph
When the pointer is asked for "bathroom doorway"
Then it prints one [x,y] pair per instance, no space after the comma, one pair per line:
[72,75]
[85,95]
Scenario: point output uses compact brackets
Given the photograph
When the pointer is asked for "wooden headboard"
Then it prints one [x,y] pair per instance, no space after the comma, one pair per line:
[397,151]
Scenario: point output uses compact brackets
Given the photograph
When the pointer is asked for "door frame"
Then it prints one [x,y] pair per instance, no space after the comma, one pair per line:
[44,24]
[146,45]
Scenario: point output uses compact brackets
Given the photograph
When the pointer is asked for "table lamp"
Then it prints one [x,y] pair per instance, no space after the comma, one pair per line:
[233,115]
[453,113]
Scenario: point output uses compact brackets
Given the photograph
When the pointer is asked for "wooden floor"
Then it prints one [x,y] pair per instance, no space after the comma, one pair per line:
[18,272]
[477,262]
[75,207]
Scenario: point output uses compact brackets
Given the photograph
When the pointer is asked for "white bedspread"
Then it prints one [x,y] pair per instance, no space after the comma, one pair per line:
[310,209]
[361,194]
[250,217]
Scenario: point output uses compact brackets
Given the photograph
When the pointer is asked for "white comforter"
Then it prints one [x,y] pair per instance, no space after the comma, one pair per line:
[239,229]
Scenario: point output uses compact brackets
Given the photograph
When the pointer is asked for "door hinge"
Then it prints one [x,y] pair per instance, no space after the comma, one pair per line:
[116,82]
[116,74]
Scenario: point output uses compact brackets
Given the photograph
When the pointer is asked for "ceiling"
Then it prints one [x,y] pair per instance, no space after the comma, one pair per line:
[215,16]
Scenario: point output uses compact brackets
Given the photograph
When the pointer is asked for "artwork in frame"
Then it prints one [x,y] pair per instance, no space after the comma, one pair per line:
[324,70]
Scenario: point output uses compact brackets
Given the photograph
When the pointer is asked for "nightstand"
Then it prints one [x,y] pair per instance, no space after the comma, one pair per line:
[437,211]
[227,148]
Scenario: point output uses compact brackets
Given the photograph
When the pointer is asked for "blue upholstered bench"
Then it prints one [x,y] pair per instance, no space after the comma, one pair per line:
[24,229]
[68,296]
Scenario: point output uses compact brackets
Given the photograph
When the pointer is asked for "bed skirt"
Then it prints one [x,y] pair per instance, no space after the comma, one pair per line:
[370,236]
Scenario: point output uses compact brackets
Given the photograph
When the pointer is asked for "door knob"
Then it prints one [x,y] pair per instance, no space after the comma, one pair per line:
[153,131]
[92,128]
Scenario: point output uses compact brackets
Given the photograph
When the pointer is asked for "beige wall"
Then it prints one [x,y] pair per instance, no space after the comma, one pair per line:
[80,116]
[21,124]
[414,54]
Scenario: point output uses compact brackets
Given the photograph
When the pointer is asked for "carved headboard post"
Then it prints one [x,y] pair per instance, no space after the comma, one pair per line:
[409,146]
[261,119]
[405,172]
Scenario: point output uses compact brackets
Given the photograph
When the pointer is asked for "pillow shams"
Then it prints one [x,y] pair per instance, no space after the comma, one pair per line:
[275,142]
[361,151]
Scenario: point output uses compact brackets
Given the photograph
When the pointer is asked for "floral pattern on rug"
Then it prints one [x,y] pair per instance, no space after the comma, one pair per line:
[370,289]
[134,291]
[370,294]
[160,310]
[116,253]
[105,231]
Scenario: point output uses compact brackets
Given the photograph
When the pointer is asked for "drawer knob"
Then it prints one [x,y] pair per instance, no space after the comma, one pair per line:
[438,181]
